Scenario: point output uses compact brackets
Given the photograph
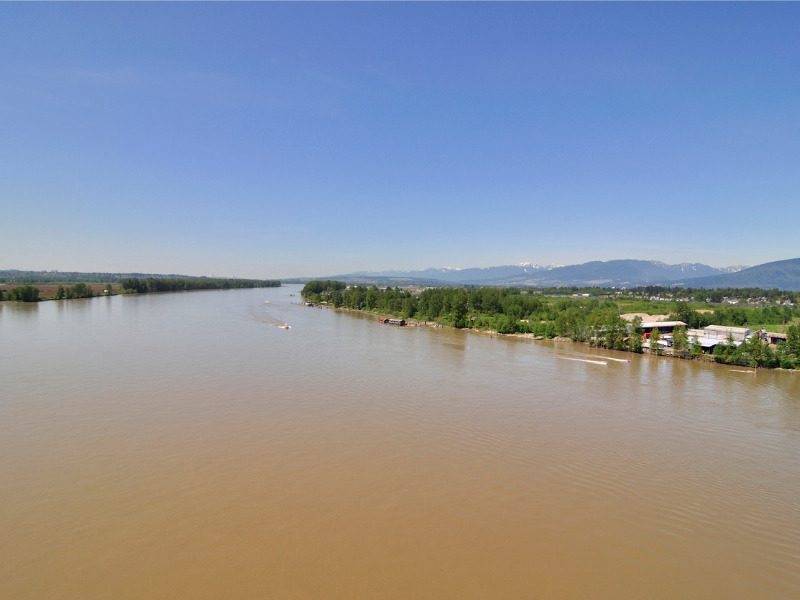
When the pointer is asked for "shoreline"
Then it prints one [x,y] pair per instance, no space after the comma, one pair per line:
[411,322]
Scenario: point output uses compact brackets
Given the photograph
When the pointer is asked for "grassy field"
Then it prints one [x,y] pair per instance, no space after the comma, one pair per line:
[776,328]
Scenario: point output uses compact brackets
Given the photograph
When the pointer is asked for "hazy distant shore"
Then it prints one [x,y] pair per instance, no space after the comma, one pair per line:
[34,287]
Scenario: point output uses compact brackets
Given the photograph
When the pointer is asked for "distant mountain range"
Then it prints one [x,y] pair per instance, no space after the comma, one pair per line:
[783,274]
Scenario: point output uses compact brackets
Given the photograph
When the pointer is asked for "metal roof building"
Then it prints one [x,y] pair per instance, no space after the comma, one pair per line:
[662,326]
[739,334]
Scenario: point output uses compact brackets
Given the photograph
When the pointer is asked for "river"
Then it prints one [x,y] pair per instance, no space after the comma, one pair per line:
[184,446]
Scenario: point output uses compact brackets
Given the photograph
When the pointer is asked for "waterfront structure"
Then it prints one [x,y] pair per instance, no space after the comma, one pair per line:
[713,335]
[662,326]
[391,321]
[739,334]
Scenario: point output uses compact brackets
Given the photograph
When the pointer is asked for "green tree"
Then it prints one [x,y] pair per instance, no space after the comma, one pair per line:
[506,325]
[409,307]
[460,315]
[729,353]
[680,342]
[757,353]
[81,290]
[655,337]
[793,341]
[635,339]
[372,297]
[684,313]
[614,331]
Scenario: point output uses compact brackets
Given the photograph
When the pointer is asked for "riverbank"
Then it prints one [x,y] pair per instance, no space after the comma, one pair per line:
[55,291]
[410,322]
[667,353]
[734,337]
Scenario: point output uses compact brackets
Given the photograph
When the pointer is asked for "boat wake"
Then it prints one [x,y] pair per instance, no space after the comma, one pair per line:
[585,360]
[267,318]
[619,360]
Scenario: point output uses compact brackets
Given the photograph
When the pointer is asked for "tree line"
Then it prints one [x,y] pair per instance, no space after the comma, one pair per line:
[15,276]
[714,295]
[505,310]
[175,284]
[79,290]
[29,293]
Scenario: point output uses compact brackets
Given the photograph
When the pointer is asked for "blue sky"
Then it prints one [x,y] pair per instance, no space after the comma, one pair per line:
[307,139]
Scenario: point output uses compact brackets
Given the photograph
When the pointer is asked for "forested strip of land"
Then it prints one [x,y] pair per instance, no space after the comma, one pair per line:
[131,285]
[173,284]
[593,320]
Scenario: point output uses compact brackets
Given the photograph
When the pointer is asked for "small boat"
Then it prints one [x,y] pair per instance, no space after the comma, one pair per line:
[284,326]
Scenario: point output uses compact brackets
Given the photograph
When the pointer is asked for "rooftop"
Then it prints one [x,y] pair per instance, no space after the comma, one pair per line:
[654,324]
[725,329]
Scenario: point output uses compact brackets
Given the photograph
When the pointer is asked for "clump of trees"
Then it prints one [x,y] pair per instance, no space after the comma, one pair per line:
[24,293]
[505,310]
[319,287]
[79,290]
[755,352]
[174,284]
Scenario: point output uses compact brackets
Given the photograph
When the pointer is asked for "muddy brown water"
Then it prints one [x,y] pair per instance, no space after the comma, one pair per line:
[184,446]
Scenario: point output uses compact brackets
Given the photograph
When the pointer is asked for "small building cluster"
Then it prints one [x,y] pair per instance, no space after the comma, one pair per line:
[711,336]
[708,337]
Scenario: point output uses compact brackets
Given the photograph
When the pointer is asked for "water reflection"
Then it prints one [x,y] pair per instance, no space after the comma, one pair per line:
[20,310]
